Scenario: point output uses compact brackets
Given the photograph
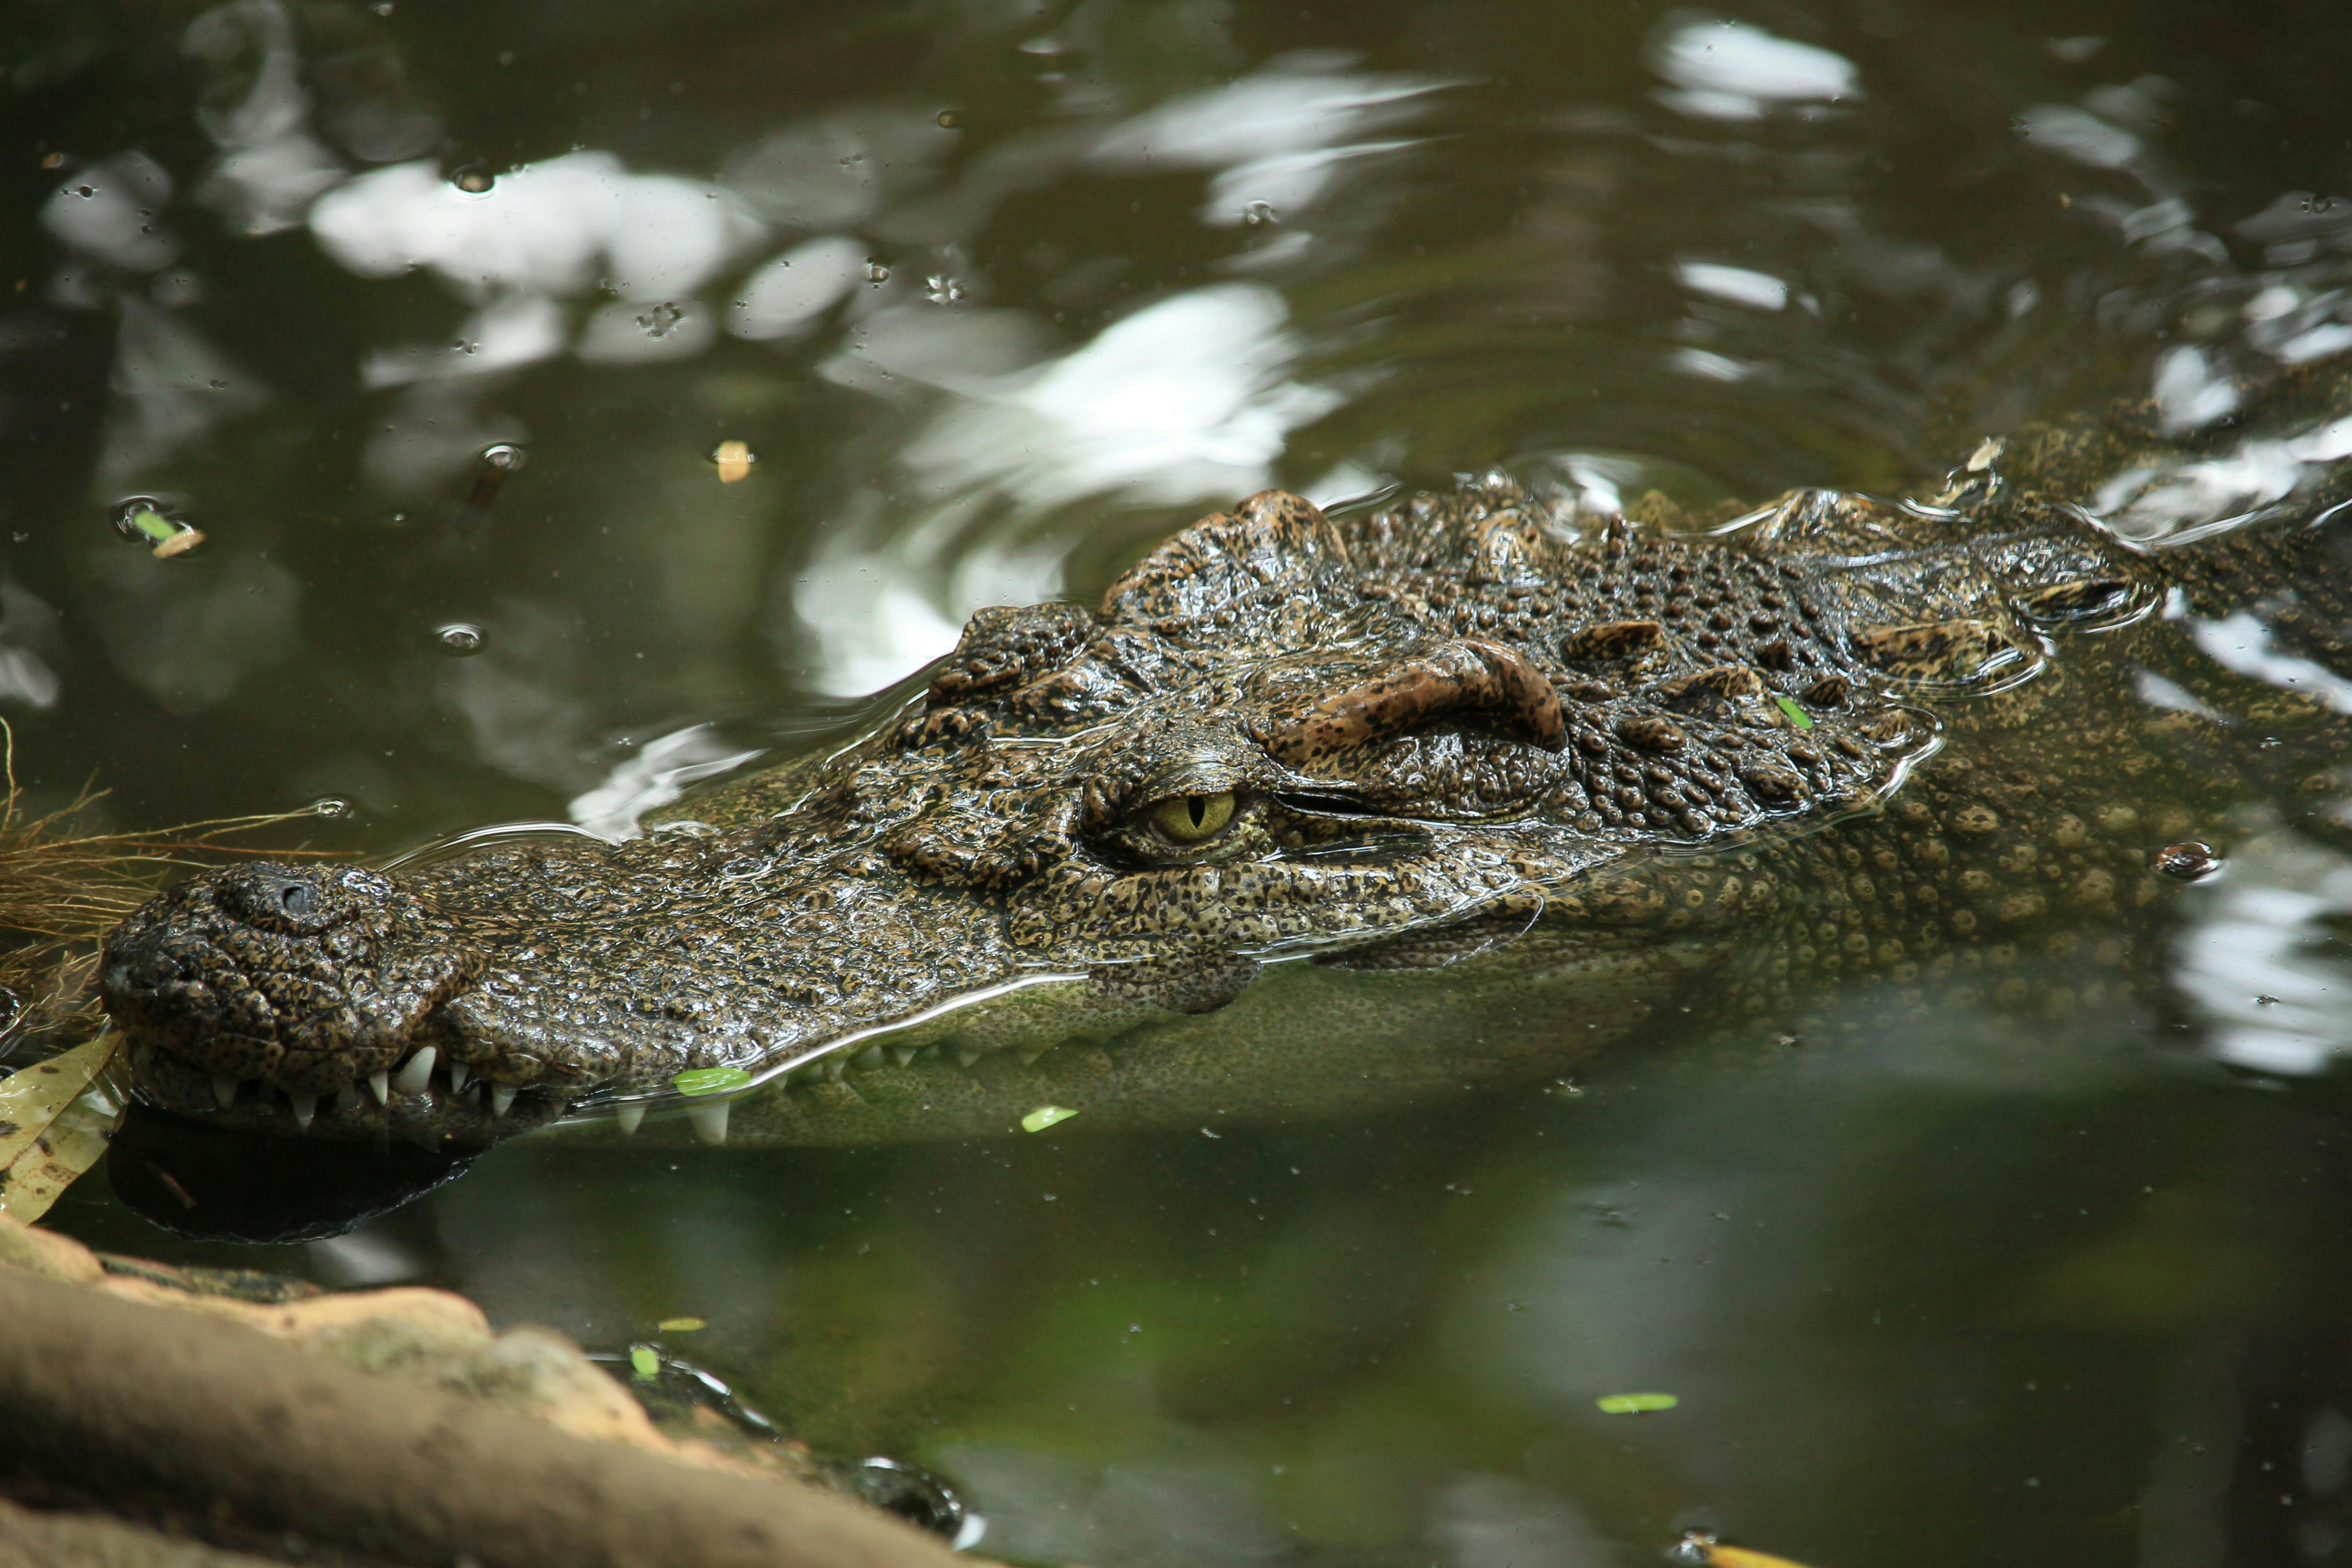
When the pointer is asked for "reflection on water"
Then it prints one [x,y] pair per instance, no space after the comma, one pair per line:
[1000,293]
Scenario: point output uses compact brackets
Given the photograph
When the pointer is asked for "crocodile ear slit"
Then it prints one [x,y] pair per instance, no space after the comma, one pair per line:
[1457,679]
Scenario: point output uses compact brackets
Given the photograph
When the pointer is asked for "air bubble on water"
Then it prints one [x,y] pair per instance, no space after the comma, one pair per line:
[942,290]
[460,638]
[331,808]
[876,273]
[505,457]
[1257,214]
[947,119]
[474,179]
[2189,861]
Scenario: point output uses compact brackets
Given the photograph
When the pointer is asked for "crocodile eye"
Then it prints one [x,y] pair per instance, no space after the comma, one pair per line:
[1189,819]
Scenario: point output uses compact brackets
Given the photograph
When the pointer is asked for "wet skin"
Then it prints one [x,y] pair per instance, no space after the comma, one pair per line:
[1309,816]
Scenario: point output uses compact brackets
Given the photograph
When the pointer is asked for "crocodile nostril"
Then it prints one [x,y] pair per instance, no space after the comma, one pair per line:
[297,899]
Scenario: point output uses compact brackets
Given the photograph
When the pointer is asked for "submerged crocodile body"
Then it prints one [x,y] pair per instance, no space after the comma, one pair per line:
[1310,815]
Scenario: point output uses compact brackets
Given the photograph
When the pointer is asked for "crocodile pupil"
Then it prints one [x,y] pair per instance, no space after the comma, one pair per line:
[1189,819]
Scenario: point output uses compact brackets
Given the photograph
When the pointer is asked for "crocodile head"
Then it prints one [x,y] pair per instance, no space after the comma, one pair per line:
[1417,746]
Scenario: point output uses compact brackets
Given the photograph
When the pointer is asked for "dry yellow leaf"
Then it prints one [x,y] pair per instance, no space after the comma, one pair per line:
[55,1120]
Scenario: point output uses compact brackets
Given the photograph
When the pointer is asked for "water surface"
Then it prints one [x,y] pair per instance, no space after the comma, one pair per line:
[993,296]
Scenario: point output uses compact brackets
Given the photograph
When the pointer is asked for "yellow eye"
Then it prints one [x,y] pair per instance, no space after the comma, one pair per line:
[1189,819]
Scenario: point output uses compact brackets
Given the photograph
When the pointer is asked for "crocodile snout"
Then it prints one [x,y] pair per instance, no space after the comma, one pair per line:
[273,982]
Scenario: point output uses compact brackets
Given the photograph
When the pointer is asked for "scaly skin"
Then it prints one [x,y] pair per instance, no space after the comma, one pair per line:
[1309,816]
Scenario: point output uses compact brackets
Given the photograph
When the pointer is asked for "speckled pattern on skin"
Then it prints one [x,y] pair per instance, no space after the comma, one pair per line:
[1506,790]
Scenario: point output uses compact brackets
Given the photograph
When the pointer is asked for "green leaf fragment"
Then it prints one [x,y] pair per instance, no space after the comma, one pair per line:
[710,1080]
[644,1363]
[1635,1403]
[1045,1116]
[1797,715]
[681,1325]
[154,524]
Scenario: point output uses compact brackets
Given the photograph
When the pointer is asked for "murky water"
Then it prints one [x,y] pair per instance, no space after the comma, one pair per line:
[574,400]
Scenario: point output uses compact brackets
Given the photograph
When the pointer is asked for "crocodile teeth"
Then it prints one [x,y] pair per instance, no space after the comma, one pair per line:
[225,1092]
[868,1059]
[458,1073]
[306,1106]
[501,1096]
[709,1121]
[382,1085]
[348,1097]
[965,1059]
[904,1054]
[629,1116]
[416,1072]
[834,1069]
[1029,1059]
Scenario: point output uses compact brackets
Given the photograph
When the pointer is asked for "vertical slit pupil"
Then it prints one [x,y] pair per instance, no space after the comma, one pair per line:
[1198,807]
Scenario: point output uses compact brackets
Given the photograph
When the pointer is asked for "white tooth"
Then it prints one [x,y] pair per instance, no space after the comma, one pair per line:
[348,1097]
[383,1086]
[628,1116]
[458,1073]
[709,1122]
[965,1059]
[834,1069]
[501,1096]
[225,1092]
[904,1053]
[306,1106]
[1029,1059]
[416,1072]
[868,1059]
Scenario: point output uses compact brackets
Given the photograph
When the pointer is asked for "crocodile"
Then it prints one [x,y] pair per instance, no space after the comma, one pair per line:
[1316,813]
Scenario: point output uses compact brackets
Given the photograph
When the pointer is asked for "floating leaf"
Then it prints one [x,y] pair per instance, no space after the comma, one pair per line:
[153,523]
[710,1080]
[681,1325]
[55,1120]
[1721,1556]
[644,1363]
[1796,712]
[1635,1403]
[1045,1116]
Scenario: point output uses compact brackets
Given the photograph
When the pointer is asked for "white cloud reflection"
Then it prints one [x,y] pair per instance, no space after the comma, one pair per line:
[559,227]
[107,212]
[1278,137]
[2178,501]
[787,294]
[168,385]
[1189,399]
[1730,70]
[2254,958]
[271,166]
[1736,285]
